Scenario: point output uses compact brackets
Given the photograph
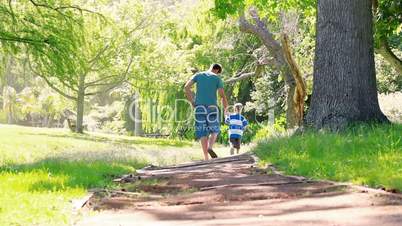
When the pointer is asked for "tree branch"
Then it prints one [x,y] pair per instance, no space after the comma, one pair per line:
[60,8]
[264,34]
[50,84]
[95,83]
[240,77]
[23,40]
[112,85]
[389,56]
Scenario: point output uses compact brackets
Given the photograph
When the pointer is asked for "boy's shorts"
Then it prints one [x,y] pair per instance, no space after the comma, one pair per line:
[206,120]
[235,142]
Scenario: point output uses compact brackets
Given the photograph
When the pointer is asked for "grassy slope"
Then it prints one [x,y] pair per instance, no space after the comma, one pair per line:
[41,170]
[368,155]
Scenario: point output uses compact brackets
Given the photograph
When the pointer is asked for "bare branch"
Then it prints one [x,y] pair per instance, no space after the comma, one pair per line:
[50,84]
[112,85]
[60,8]
[95,83]
[23,40]
[97,56]
[240,77]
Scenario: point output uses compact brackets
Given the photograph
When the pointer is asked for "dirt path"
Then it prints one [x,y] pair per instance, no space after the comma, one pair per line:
[233,191]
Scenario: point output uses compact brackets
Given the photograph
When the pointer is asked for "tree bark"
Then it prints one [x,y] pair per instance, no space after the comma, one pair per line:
[80,104]
[344,89]
[299,93]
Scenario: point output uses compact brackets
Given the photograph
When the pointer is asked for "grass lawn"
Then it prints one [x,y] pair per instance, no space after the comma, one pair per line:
[367,155]
[41,170]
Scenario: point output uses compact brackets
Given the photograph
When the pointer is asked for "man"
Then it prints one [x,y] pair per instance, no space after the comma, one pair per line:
[207,125]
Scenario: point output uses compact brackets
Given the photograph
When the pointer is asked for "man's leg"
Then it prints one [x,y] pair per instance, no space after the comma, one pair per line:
[204,146]
[238,150]
[212,140]
[213,128]
[201,130]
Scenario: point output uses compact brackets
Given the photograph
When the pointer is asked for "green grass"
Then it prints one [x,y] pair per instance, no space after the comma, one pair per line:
[42,170]
[366,155]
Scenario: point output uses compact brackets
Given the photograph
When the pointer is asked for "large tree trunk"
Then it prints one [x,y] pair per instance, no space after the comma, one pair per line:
[80,105]
[344,88]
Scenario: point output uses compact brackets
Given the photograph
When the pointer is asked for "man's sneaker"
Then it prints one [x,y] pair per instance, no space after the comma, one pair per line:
[212,153]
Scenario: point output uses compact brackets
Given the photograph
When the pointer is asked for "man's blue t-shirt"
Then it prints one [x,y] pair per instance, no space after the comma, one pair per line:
[208,84]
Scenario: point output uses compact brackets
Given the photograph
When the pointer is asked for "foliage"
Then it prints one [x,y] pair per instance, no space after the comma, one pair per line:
[271,8]
[107,118]
[164,45]
[366,154]
[44,30]
[262,134]
[388,79]
[267,131]
[388,21]
[36,105]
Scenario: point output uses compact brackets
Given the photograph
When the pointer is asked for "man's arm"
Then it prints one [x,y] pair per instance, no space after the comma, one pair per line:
[221,92]
[188,92]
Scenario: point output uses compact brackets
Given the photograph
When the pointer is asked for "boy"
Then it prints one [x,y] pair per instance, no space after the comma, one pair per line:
[237,123]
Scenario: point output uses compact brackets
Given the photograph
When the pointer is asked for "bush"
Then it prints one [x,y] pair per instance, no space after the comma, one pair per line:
[262,133]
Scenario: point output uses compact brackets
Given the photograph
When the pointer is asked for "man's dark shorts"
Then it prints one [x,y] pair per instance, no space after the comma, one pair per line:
[235,142]
[206,120]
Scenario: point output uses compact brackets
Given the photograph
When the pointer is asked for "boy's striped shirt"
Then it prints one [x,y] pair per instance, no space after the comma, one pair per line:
[236,123]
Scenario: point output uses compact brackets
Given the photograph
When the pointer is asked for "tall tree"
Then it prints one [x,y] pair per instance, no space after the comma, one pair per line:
[106,55]
[344,88]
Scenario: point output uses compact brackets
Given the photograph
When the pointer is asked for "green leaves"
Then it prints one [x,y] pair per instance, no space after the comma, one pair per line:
[388,21]
[268,8]
[47,30]
[223,8]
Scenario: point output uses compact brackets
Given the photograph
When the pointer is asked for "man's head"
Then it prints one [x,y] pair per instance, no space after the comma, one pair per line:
[238,107]
[216,68]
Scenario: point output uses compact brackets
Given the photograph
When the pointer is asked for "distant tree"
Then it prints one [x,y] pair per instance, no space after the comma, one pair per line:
[105,61]
[344,86]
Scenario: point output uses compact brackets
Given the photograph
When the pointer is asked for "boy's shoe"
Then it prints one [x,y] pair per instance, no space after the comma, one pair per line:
[212,153]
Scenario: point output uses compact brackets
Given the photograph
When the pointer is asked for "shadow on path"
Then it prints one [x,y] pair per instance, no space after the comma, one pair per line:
[233,191]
